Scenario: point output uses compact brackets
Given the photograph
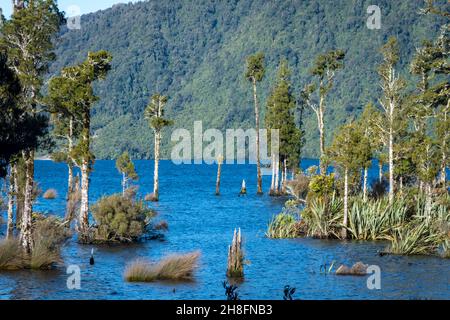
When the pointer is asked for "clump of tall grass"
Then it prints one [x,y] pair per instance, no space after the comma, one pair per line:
[10,255]
[48,236]
[418,237]
[323,217]
[173,267]
[286,224]
[375,219]
[50,194]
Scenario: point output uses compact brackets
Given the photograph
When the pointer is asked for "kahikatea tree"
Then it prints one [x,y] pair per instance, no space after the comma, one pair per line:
[324,70]
[27,39]
[280,116]
[349,152]
[126,167]
[79,92]
[392,86]
[61,103]
[368,132]
[255,73]
[154,113]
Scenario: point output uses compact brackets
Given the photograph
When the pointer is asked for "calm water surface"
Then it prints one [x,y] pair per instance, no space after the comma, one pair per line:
[198,220]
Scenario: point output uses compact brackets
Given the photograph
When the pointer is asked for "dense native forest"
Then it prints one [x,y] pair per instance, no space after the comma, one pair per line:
[394,99]
[195,51]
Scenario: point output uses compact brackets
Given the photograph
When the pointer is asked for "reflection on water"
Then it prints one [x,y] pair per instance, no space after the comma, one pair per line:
[200,220]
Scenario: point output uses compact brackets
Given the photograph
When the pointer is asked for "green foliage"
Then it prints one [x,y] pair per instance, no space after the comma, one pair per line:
[125,166]
[155,111]
[255,67]
[197,52]
[376,219]
[419,237]
[323,217]
[120,219]
[321,186]
[285,225]
[280,115]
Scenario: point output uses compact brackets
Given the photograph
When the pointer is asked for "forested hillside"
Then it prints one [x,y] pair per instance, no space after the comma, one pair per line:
[194,52]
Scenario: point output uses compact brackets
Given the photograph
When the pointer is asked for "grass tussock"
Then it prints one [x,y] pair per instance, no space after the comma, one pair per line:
[10,255]
[173,267]
[49,234]
[287,224]
[50,194]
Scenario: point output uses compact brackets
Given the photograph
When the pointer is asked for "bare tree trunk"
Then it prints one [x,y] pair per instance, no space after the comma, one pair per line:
[235,263]
[19,195]
[277,172]
[258,161]
[380,171]
[124,183]
[219,172]
[84,206]
[69,160]
[444,152]
[344,229]
[272,184]
[26,227]
[10,223]
[320,114]
[366,173]
[391,164]
[156,171]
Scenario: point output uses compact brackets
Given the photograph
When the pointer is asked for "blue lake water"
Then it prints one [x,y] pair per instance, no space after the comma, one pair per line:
[199,220]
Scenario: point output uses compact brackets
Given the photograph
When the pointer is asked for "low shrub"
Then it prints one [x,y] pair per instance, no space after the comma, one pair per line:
[120,219]
[50,194]
[172,267]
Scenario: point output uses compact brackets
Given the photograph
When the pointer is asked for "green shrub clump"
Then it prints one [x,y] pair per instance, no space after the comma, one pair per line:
[120,219]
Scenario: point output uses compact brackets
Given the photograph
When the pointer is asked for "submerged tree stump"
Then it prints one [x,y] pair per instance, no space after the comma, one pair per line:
[235,268]
[219,172]
[243,188]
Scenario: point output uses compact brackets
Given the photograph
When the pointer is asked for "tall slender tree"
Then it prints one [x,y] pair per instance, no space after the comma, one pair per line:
[126,167]
[66,122]
[78,90]
[392,86]
[154,113]
[255,73]
[281,106]
[27,39]
[325,68]
[348,150]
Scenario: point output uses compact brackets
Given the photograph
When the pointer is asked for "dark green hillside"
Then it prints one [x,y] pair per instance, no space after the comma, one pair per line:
[194,52]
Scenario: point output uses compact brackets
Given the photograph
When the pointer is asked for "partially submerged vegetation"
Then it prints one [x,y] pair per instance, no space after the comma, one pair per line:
[50,194]
[173,267]
[235,265]
[120,219]
[49,234]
